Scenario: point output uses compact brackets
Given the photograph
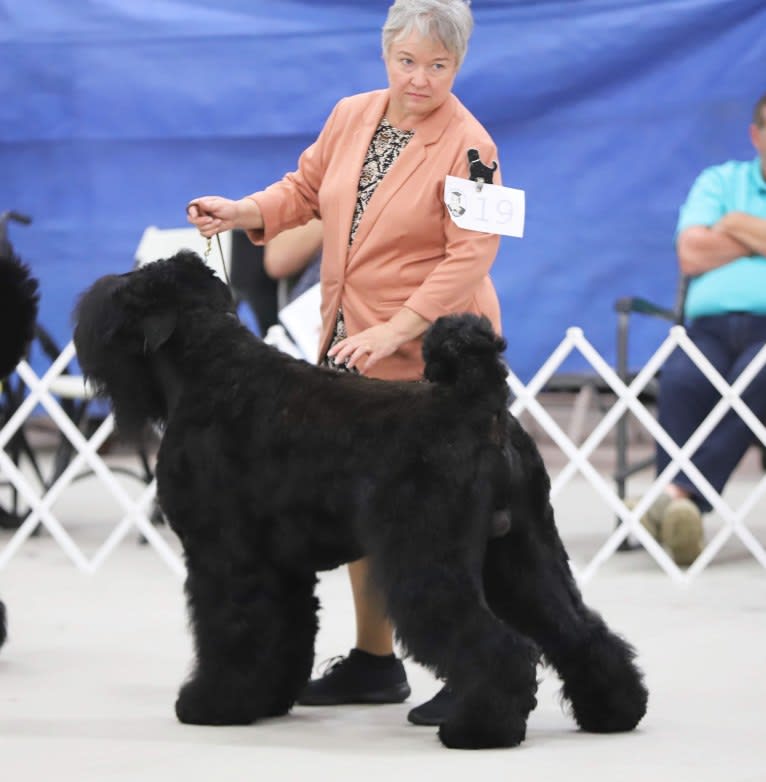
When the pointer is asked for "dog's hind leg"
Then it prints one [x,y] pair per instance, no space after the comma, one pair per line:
[528,583]
[443,622]
[530,586]
[254,629]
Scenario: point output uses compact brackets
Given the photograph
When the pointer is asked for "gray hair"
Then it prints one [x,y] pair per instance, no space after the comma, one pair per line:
[448,21]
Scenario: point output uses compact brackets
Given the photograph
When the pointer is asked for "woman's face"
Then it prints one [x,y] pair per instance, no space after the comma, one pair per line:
[420,77]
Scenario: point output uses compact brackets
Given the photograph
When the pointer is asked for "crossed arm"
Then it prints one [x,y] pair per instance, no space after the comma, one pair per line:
[736,234]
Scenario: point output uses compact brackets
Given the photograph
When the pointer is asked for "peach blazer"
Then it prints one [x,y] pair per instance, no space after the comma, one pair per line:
[407,251]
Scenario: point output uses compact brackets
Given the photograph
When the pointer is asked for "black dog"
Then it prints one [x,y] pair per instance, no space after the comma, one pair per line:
[271,469]
[18,314]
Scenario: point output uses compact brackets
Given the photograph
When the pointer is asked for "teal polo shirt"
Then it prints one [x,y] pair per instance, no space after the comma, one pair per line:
[739,286]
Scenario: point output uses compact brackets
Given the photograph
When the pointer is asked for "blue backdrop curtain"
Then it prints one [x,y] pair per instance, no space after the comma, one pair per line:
[113,113]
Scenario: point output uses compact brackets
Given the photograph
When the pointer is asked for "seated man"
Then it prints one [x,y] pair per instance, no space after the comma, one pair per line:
[721,244]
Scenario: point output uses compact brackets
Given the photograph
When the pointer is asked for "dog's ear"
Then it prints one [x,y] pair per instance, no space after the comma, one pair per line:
[158,329]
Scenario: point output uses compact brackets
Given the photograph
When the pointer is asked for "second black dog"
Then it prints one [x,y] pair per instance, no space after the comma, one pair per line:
[19,299]
[271,469]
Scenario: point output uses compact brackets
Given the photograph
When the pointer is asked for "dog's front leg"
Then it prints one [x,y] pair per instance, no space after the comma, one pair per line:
[254,629]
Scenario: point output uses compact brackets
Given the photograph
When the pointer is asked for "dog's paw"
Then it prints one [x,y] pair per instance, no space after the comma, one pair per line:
[462,734]
[613,709]
[202,704]
[604,686]
[487,722]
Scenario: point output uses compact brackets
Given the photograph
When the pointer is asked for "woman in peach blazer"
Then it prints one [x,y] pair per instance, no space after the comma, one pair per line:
[387,274]
[407,251]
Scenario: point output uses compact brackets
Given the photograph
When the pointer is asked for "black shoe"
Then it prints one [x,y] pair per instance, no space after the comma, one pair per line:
[435,711]
[359,678]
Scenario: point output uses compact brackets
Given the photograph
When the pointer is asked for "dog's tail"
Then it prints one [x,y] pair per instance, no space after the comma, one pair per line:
[464,351]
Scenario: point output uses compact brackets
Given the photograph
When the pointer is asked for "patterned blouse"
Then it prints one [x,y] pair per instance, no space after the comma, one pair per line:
[387,142]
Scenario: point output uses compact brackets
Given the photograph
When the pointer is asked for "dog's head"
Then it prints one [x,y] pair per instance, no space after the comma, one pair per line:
[122,321]
[18,310]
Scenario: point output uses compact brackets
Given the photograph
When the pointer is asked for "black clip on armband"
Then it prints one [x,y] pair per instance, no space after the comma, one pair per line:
[477,171]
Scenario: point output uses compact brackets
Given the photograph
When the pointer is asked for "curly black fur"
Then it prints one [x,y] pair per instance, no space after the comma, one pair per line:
[18,311]
[271,469]
[19,299]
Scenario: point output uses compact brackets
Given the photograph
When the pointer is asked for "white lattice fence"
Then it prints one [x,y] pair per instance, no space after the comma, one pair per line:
[86,453]
[627,399]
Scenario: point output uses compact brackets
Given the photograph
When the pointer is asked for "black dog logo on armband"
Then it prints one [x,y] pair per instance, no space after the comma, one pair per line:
[478,171]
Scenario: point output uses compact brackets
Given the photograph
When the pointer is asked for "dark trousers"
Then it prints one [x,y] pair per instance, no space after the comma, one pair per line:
[249,281]
[686,397]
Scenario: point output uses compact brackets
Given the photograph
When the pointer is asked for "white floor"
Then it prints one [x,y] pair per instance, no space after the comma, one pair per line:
[89,676]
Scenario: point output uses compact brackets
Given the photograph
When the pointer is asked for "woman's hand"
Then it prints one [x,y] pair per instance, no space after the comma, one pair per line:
[375,343]
[214,214]
[378,342]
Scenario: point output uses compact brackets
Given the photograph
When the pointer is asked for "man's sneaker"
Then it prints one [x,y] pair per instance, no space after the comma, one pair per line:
[681,531]
[433,712]
[359,678]
[652,519]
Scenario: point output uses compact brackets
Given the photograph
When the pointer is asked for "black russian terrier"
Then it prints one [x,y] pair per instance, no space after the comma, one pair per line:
[18,313]
[271,469]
